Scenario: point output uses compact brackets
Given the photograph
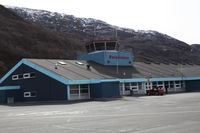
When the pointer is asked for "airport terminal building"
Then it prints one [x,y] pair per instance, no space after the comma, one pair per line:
[103,72]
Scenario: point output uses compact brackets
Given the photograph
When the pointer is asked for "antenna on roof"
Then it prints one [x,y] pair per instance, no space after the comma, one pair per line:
[117,67]
[116,34]
[94,32]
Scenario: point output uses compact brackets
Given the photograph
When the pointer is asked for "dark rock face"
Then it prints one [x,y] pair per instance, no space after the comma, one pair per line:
[20,38]
[146,45]
[195,47]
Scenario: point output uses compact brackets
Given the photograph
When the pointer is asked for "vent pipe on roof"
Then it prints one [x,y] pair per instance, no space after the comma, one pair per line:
[88,67]
[56,66]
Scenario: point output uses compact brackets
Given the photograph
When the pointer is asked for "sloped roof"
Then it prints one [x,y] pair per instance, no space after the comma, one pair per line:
[74,71]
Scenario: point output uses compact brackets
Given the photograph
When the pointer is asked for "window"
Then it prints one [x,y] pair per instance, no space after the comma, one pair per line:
[33,94]
[134,88]
[23,76]
[26,75]
[127,86]
[154,84]
[27,94]
[79,63]
[171,84]
[62,62]
[74,89]
[134,84]
[30,94]
[73,86]
[100,46]
[177,82]
[32,75]
[20,76]
[140,86]
[14,77]
[110,45]
[84,86]
[92,48]
[83,90]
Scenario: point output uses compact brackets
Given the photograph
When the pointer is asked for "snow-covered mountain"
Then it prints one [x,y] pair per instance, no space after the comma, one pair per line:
[147,45]
[70,24]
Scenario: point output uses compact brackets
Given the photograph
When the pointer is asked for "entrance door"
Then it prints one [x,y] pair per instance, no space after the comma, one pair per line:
[166,86]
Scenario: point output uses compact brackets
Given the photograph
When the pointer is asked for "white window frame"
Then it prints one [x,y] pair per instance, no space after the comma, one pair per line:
[27,94]
[13,77]
[134,87]
[26,75]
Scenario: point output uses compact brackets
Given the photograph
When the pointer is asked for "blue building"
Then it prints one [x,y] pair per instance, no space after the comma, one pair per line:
[103,72]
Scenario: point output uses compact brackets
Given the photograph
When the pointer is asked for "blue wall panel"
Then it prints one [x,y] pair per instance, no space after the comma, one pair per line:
[16,94]
[97,57]
[110,89]
[46,87]
[2,96]
[105,90]
[95,90]
[109,58]
[193,85]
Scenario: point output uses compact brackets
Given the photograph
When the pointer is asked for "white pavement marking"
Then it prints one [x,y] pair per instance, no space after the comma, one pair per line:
[83,129]
[55,114]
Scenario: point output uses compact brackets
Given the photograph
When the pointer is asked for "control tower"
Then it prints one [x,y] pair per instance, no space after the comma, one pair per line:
[106,52]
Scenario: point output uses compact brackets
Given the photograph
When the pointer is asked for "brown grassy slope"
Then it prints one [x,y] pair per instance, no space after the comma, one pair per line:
[22,39]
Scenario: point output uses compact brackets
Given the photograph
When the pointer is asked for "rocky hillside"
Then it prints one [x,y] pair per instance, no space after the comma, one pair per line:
[20,38]
[146,45]
[196,47]
[42,34]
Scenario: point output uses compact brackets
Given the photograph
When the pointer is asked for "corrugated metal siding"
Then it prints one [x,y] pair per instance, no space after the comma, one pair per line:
[110,89]
[193,85]
[46,87]
[95,90]
[105,90]
[2,96]
[16,94]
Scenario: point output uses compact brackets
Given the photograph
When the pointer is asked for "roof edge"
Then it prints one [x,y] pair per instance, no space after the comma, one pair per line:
[11,71]
[71,82]
[36,67]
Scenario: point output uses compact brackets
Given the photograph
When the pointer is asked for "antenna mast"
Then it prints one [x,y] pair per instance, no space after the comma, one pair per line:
[117,53]
[94,32]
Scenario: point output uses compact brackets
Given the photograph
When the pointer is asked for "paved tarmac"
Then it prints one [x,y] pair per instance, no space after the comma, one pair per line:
[175,113]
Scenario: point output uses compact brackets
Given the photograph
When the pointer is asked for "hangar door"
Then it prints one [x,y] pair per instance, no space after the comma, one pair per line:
[105,90]
[81,91]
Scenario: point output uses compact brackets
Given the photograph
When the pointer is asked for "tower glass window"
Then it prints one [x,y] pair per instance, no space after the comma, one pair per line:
[99,45]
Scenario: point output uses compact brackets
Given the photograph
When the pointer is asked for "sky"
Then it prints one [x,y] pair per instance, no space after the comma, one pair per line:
[177,18]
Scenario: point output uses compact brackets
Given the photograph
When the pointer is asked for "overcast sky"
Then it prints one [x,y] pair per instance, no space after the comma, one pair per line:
[177,18]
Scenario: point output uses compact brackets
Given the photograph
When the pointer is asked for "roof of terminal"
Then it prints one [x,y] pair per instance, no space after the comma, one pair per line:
[78,70]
